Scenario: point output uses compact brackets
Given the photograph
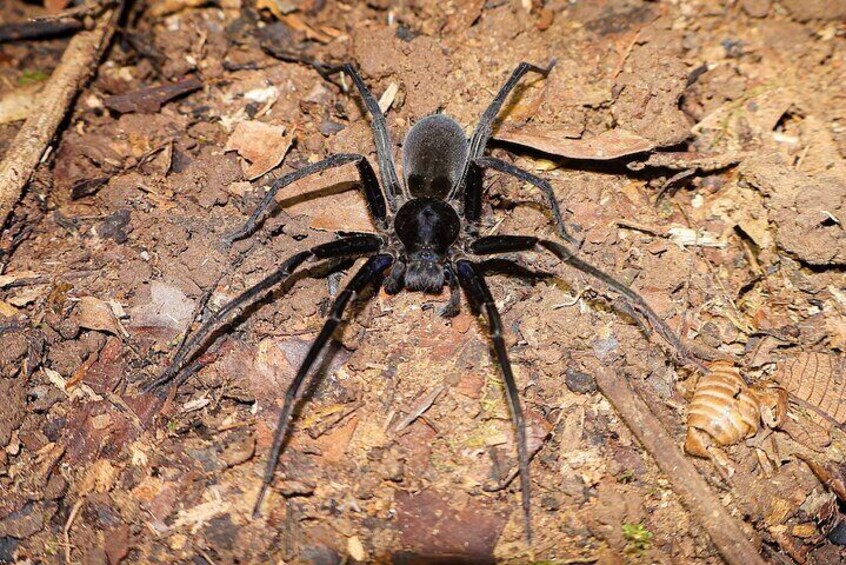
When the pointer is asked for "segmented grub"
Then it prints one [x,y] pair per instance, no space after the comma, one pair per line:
[723,410]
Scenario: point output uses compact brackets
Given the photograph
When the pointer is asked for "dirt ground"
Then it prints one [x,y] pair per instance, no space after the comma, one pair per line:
[698,147]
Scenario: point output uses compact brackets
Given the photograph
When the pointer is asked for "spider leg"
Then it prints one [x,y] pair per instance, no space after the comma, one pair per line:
[374,266]
[452,308]
[395,282]
[514,243]
[479,295]
[353,246]
[384,148]
[525,176]
[483,130]
[369,186]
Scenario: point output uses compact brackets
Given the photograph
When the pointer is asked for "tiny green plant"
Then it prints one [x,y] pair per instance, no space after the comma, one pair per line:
[638,538]
[32,76]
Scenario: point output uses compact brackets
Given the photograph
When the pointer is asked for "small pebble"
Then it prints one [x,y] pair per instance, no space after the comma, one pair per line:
[578,382]
[837,535]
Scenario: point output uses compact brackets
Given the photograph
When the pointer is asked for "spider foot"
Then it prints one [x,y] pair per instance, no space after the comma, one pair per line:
[449,310]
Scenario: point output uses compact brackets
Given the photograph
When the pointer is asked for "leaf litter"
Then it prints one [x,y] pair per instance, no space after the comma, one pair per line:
[762,182]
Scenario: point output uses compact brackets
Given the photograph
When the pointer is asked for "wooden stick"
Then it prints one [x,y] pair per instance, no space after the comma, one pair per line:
[727,535]
[78,63]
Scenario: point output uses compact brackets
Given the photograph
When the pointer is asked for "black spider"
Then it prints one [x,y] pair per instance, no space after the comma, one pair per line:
[427,226]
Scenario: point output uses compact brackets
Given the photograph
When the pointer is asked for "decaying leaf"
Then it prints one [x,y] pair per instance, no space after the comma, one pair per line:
[168,307]
[149,100]
[263,145]
[55,6]
[684,160]
[165,7]
[831,478]
[686,237]
[18,277]
[818,380]
[807,432]
[95,314]
[611,144]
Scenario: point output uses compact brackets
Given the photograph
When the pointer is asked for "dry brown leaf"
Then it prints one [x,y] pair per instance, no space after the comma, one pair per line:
[7,310]
[166,7]
[95,314]
[330,200]
[263,145]
[818,380]
[100,477]
[810,434]
[28,295]
[6,280]
[279,8]
[683,160]
[611,144]
[18,104]
[831,478]
[55,6]
[295,22]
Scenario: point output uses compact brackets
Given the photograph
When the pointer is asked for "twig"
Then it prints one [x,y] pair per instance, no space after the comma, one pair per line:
[726,534]
[78,63]
[73,514]
[38,29]
[419,409]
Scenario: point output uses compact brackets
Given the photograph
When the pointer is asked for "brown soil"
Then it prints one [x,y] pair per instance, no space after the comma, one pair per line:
[743,256]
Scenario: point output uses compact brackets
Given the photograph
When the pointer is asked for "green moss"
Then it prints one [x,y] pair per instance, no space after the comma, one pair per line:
[638,537]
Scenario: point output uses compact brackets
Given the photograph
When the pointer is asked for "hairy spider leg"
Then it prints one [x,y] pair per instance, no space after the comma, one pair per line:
[347,247]
[481,301]
[374,267]
[369,186]
[484,128]
[514,243]
[384,149]
[452,308]
[525,176]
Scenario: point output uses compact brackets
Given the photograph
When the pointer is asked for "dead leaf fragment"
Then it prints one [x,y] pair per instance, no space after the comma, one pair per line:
[683,160]
[166,7]
[263,145]
[608,145]
[168,307]
[818,379]
[356,549]
[149,100]
[19,277]
[686,237]
[388,97]
[100,477]
[95,314]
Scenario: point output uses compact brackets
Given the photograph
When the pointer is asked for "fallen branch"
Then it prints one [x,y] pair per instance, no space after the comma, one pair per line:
[78,63]
[726,534]
[38,29]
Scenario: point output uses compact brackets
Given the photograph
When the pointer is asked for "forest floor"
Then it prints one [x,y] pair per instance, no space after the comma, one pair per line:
[698,148]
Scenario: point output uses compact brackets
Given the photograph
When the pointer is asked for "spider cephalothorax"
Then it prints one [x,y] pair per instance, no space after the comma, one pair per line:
[427,228]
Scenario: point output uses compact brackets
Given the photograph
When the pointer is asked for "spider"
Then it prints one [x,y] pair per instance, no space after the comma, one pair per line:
[427,239]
